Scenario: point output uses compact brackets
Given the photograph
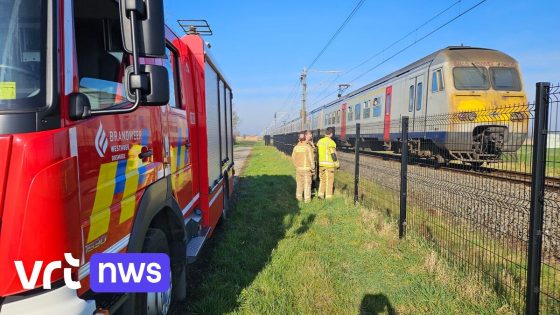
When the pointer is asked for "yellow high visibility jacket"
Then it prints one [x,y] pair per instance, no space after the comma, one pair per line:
[326,147]
[302,156]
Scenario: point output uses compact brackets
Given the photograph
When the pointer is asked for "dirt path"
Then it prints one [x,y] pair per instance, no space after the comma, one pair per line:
[240,155]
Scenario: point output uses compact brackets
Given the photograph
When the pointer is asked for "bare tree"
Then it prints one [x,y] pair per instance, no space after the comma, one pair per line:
[235,120]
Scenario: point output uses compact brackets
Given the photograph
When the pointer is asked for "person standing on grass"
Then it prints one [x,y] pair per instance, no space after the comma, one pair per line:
[302,156]
[309,139]
[328,161]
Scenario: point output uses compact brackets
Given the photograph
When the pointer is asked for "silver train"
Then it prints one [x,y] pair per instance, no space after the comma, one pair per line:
[464,103]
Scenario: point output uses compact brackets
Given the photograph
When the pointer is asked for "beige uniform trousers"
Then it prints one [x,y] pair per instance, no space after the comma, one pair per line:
[326,184]
[303,185]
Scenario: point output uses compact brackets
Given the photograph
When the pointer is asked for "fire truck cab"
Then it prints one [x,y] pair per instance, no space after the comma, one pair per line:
[115,137]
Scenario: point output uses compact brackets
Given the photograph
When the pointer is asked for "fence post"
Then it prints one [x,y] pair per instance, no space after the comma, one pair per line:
[357,163]
[537,198]
[404,170]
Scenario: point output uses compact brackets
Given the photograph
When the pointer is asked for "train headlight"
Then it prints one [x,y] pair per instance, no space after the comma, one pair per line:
[467,116]
[516,116]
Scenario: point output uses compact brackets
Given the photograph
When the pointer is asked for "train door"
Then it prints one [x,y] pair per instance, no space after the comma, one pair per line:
[419,102]
[411,100]
[387,120]
[343,122]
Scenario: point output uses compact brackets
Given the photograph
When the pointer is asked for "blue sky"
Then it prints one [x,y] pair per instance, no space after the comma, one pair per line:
[262,46]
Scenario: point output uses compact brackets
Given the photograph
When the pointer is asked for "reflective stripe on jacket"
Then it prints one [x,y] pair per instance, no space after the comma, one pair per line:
[302,156]
[326,147]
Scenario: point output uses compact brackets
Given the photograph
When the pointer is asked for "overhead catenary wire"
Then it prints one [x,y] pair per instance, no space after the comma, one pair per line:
[418,40]
[387,48]
[405,36]
[356,8]
[407,47]
[289,99]
[337,32]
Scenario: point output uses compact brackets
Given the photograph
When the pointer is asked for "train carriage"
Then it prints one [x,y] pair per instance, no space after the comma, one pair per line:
[459,99]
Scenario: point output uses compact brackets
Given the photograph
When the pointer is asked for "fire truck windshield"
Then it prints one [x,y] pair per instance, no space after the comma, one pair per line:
[22,54]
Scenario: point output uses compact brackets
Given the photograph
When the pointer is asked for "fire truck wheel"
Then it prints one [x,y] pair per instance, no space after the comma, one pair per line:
[155,303]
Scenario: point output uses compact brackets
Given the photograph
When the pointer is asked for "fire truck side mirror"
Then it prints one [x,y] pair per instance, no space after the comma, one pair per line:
[152,81]
[79,106]
[142,22]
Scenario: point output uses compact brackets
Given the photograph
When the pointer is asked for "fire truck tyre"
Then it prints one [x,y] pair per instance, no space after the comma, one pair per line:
[154,303]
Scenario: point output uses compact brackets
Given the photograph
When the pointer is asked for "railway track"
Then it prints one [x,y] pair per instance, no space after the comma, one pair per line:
[489,172]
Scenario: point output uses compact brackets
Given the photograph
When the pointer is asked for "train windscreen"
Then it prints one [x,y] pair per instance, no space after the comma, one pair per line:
[505,79]
[470,78]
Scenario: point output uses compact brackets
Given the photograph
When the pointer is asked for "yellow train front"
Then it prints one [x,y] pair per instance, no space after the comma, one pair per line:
[486,114]
[465,104]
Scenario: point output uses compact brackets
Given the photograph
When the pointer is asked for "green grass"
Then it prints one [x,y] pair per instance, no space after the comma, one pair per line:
[277,256]
[522,159]
[245,143]
[501,264]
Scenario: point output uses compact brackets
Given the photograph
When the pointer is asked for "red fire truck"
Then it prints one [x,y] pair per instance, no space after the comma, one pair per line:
[115,136]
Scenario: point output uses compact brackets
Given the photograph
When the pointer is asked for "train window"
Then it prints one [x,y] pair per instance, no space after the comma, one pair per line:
[388,104]
[419,96]
[377,106]
[440,80]
[338,116]
[367,109]
[470,78]
[437,81]
[505,79]
[350,113]
[358,111]
[411,98]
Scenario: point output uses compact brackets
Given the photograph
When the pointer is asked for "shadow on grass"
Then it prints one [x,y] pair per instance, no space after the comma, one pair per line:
[265,208]
[305,224]
[373,304]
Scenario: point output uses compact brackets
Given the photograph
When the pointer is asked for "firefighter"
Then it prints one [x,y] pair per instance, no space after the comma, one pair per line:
[328,161]
[309,139]
[302,156]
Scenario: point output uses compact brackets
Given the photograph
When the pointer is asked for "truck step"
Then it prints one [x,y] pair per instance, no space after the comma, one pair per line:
[194,216]
[195,245]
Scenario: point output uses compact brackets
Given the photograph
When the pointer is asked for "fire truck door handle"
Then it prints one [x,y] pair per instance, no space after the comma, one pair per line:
[145,155]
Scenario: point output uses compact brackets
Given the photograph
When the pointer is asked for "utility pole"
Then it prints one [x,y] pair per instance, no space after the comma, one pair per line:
[303,111]
[303,80]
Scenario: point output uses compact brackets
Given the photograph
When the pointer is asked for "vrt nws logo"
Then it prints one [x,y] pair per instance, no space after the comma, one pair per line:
[101,142]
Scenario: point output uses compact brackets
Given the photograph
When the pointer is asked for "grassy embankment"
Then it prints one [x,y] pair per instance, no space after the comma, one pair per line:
[499,263]
[277,256]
